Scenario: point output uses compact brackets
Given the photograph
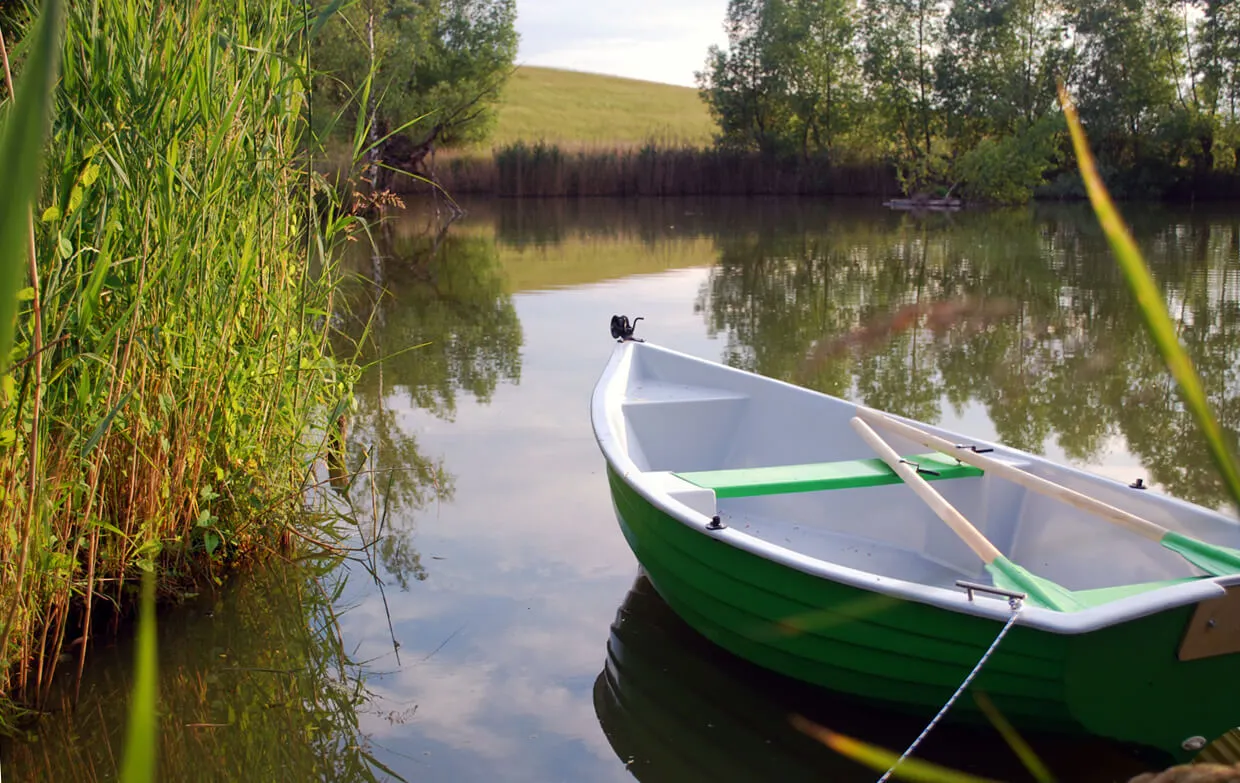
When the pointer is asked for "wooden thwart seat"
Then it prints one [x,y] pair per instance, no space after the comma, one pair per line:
[847,474]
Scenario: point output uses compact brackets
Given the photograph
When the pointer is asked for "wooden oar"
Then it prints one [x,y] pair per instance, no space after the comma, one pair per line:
[1005,573]
[1213,559]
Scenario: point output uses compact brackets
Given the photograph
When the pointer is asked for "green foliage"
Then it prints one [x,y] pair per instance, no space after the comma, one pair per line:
[921,83]
[21,144]
[901,37]
[1007,170]
[922,173]
[1218,52]
[439,65]
[172,356]
[788,82]
[998,67]
[1131,57]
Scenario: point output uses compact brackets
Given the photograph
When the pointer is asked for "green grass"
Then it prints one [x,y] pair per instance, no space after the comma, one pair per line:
[572,108]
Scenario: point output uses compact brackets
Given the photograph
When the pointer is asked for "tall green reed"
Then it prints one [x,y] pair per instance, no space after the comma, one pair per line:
[184,380]
[21,142]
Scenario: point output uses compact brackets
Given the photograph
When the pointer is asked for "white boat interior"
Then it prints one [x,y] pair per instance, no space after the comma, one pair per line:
[721,442]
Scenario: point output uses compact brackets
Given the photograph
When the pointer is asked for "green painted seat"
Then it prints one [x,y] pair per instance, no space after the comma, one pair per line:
[848,474]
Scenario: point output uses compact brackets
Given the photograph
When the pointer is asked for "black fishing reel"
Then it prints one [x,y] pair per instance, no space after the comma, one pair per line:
[622,330]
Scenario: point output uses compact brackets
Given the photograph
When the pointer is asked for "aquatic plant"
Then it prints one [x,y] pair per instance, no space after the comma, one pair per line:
[171,377]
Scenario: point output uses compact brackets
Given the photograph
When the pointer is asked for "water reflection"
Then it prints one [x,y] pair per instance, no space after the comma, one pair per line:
[483,604]
[443,322]
[1022,312]
[254,683]
[676,708]
[432,319]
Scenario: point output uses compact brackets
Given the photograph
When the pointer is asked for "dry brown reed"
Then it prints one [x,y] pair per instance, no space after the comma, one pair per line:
[536,170]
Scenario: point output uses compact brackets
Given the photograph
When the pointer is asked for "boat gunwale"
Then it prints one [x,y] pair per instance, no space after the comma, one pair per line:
[609,393]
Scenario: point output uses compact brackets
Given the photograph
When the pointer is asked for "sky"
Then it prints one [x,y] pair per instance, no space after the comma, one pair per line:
[656,40]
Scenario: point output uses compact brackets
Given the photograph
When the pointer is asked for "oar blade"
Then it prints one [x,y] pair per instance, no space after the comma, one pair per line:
[1039,592]
[1214,560]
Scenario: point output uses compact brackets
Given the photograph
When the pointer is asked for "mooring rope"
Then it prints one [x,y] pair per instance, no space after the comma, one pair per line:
[1016,606]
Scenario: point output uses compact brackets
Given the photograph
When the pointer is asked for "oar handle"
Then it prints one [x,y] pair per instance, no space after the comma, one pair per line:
[1084,502]
[945,511]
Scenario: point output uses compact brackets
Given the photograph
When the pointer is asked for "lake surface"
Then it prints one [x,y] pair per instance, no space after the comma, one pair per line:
[513,638]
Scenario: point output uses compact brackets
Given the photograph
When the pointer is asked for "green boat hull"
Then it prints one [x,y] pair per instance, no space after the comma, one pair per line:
[677,708]
[1123,682]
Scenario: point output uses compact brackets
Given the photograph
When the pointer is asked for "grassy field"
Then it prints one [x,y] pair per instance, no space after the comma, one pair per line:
[574,109]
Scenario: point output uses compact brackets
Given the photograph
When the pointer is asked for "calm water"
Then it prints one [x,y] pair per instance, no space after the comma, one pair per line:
[513,638]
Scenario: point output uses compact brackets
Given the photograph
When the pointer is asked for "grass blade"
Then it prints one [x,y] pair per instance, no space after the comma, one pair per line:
[140,739]
[21,156]
[102,428]
[1016,742]
[1150,300]
[881,760]
[324,16]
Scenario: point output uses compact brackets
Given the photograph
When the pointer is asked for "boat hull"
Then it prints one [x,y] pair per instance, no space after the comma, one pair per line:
[1123,682]
[676,707]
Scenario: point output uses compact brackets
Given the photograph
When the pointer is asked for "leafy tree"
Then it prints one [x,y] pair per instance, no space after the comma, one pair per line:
[740,84]
[788,80]
[1218,89]
[1219,59]
[435,68]
[999,65]
[901,37]
[1006,170]
[823,81]
[1129,67]
[957,91]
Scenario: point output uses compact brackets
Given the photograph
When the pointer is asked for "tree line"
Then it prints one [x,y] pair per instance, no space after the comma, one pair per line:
[960,95]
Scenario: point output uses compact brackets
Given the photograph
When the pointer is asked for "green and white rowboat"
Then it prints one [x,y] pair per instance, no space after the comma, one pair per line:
[781,524]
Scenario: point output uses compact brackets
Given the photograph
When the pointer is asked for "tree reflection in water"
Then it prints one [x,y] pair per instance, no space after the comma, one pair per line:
[432,320]
[1022,312]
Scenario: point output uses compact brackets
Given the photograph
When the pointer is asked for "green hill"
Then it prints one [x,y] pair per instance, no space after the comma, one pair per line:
[570,108]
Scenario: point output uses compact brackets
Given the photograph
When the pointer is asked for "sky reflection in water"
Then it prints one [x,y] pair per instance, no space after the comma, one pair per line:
[533,565]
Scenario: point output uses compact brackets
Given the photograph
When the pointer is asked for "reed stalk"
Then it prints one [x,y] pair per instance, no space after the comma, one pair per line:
[171,375]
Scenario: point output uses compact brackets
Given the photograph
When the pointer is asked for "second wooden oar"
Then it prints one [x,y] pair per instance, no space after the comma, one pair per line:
[1003,571]
[1211,558]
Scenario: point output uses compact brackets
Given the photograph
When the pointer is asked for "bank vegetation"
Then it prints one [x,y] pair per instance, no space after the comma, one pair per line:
[170,382]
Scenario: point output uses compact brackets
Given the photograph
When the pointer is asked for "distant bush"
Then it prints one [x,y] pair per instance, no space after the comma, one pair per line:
[1009,169]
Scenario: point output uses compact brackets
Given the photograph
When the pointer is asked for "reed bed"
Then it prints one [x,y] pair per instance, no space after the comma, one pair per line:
[540,169]
[170,373]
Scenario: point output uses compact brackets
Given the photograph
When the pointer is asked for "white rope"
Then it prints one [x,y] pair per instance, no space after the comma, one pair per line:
[1016,606]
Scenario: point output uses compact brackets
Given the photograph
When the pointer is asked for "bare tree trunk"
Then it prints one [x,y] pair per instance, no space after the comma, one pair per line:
[921,72]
